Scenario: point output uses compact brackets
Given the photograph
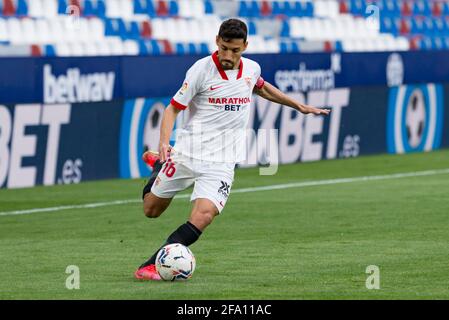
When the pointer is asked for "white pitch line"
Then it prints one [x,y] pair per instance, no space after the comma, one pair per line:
[243,190]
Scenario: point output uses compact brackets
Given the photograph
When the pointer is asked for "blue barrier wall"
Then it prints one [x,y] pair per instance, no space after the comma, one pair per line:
[60,116]
[26,80]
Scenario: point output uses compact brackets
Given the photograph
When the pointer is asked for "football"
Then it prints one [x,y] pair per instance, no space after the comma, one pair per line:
[175,262]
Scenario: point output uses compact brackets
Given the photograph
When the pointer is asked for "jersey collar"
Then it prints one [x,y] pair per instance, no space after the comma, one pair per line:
[221,70]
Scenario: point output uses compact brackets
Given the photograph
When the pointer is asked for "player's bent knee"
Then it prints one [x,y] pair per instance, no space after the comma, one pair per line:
[151,212]
[153,206]
[201,219]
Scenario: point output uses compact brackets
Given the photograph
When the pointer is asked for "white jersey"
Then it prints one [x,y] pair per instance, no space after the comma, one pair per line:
[217,106]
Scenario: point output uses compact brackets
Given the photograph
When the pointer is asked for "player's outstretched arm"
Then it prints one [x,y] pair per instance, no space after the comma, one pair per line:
[270,92]
[167,124]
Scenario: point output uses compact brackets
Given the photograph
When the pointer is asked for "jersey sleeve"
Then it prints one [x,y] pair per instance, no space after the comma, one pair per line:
[189,89]
[259,80]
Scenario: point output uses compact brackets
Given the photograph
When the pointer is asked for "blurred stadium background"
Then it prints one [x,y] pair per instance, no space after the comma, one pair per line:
[83,84]
[151,27]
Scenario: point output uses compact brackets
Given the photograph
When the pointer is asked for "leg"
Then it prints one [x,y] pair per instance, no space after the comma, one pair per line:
[203,213]
[153,206]
[157,196]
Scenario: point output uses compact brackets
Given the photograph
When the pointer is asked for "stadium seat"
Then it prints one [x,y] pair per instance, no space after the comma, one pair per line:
[145,30]
[208,7]
[3,31]
[318,25]
[29,30]
[22,8]
[8,8]
[49,50]
[130,48]
[49,8]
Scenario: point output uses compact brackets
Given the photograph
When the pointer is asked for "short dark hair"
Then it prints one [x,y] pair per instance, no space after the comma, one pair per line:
[233,29]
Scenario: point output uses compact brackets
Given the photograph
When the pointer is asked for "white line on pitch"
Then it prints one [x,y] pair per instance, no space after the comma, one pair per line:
[243,190]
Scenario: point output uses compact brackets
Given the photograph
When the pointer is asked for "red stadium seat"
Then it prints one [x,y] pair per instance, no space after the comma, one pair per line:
[146,31]
[166,47]
[162,8]
[265,9]
[8,8]
[404,27]
[406,8]
[344,7]
[437,9]
[36,50]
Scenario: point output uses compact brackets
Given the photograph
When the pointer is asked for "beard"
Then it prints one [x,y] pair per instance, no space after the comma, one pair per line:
[227,65]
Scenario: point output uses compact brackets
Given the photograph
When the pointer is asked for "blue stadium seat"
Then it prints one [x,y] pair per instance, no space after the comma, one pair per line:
[204,48]
[277,8]
[289,9]
[438,27]
[283,47]
[62,6]
[422,8]
[249,9]
[133,31]
[191,48]
[143,50]
[173,9]
[285,29]
[252,28]
[208,7]
[140,6]
[49,50]
[150,9]
[155,48]
[338,46]
[115,27]
[302,9]
[243,9]
[255,9]
[89,9]
[387,25]
[417,26]
[390,8]
[358,7]
[428,27]
[22,8]
[438,43]
[426,43]
[101,9]
[295,47]
[179,48]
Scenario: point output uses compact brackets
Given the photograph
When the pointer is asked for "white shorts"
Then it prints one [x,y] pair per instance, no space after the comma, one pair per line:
[212,180]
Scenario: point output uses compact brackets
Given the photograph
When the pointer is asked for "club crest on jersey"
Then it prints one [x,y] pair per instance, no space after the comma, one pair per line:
[248,81]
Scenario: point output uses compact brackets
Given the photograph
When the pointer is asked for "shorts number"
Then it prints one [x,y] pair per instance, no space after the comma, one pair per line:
[169,169]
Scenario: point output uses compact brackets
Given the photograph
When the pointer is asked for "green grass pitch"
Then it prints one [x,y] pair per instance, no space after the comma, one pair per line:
[310,242]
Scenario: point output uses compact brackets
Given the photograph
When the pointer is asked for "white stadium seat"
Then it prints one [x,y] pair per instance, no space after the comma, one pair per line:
[50,8]
[35,8]
[131,48]
[29,30]
[62,50]
[96,29]
[14,31]
[3,30]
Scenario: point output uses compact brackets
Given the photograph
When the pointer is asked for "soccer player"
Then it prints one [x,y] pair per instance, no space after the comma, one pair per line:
[216,94]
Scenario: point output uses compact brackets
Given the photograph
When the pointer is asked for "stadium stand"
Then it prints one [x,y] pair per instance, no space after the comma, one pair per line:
[154,27]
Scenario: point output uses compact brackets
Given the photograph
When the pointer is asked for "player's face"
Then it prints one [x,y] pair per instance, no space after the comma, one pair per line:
[230,52]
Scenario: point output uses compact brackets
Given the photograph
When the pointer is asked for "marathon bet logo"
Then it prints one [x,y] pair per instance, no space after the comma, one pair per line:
[76,87]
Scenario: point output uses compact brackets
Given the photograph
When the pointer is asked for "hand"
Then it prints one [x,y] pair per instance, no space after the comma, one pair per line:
[316,111]
[164,152]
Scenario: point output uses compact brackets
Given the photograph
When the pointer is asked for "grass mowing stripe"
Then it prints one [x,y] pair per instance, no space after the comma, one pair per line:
[243,190]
